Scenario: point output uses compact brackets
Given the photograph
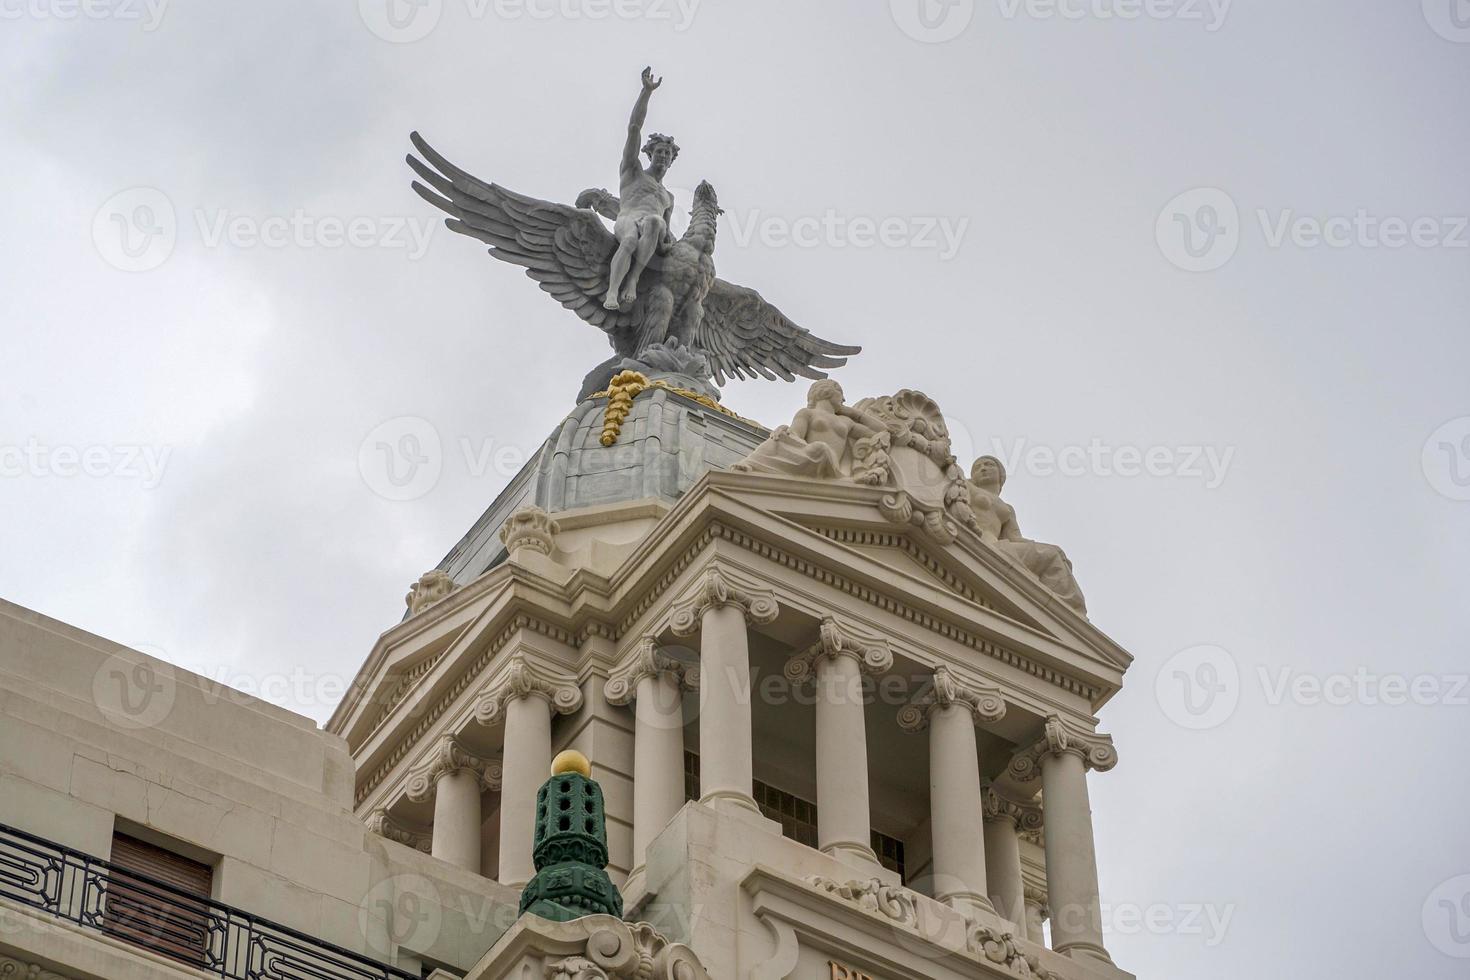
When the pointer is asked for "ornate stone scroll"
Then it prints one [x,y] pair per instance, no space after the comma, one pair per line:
[627,951]
[530,528]
[431,587]
[996,521]
[873,655]
[448,755]
[1026,816]
[648,661]
[380,823]
[872,895]
[717,588]
[523,678]
[984,702]
[1060,736]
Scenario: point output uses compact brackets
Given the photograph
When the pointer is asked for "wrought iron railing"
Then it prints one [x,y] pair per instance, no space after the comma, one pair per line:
[142,910]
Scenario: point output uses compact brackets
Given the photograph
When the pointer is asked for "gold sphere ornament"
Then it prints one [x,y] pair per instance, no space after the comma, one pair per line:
[571,761]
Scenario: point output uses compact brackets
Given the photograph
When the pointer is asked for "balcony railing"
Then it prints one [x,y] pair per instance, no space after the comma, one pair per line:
[152,914]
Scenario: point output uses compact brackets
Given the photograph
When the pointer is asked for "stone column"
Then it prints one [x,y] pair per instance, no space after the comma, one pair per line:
[1036,915]
[526,697]
[719,609]
[454,778]
[655,683]
[950,708]
[837,663]
[1063,756]
[1004,821]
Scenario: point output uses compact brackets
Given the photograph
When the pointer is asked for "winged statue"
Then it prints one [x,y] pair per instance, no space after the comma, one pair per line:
[637,283]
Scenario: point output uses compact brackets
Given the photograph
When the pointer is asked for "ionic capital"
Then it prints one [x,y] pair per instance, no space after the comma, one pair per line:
[1036,898]
[647,661]
[1061,737]
[1026,817]
[873,654]
[449,756]
[524,678]
[380,823]
[529,528]
[715,589]
[985,703]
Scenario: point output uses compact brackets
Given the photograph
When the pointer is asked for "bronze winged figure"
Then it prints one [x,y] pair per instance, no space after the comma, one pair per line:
[636,283]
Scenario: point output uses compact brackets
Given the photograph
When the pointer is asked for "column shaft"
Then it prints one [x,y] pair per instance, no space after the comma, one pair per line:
[457,819]
[955,809]
[525,764]
[1007,888]
[658,759]
[726,763]
[842,760]
[1035,920]
[1071,861]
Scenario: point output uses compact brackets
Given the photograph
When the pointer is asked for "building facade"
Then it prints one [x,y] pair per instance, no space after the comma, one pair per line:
[841,713]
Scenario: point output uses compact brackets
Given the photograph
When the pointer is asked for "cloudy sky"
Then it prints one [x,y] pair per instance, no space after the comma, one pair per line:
[1197,272]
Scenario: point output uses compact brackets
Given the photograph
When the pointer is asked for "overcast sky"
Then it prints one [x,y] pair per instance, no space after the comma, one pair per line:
[1197,273]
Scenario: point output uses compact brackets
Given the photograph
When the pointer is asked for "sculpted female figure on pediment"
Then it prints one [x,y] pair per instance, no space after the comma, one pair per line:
[826,440]
[996,521]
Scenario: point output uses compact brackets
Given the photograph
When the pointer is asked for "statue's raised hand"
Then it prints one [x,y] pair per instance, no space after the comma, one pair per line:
[649,82]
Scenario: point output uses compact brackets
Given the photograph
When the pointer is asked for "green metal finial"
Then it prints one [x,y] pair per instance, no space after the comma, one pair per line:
[571,847]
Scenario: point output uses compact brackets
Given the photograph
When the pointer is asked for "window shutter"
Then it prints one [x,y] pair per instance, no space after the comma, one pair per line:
[154,918]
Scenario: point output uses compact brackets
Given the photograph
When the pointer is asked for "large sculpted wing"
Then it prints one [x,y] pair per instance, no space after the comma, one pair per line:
[567,250]
[743,335]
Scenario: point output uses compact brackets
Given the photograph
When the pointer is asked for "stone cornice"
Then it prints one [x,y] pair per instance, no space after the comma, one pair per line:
[647,661]
[448,756]
[985,703]
[1062,737]
[873,654]
[525,678]
[1027,817]
[716,589]
[380,823]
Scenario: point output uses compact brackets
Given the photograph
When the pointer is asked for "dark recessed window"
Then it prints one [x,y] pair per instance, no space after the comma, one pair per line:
[172,921]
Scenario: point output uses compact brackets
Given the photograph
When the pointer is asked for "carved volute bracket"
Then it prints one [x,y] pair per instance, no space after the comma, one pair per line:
[985,703]
[648,661]
[873,654]
[530,529]
[717,588]
[446,756]
[1059,737]
[1027,817]
[526,679]
[380,823]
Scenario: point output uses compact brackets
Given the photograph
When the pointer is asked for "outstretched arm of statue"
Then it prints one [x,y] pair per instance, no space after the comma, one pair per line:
[635,125]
